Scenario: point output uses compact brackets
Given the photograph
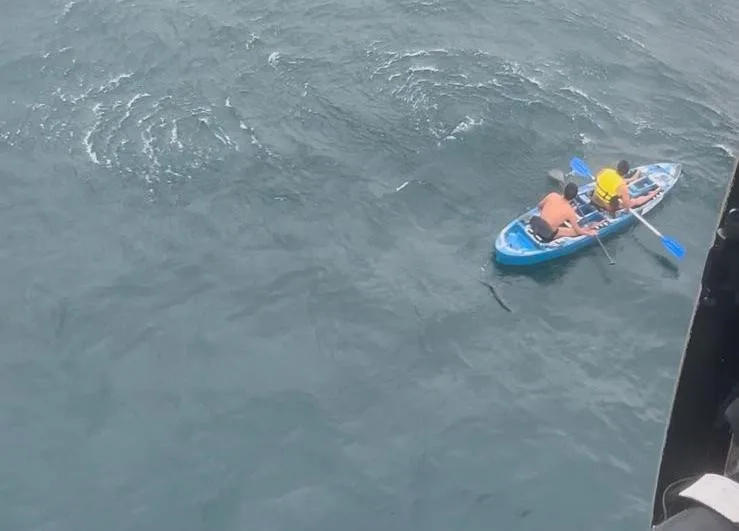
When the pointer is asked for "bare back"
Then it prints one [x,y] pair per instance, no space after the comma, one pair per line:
[555,210]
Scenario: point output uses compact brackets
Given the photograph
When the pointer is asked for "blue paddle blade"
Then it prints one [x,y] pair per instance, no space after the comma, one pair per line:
[674,247]
[578,165]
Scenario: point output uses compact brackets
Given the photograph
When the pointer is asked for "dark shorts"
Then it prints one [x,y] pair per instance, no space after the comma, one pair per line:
[542,229]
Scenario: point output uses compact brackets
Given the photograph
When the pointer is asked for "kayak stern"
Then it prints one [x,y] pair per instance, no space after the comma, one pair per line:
[515,246]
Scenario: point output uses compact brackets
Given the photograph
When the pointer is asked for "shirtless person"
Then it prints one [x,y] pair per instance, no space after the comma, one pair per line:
[554,210]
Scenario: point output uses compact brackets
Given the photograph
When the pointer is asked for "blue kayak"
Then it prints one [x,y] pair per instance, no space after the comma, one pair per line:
[517,245]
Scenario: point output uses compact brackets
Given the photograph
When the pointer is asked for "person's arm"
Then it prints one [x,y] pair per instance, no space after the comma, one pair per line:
[625,196]
[575,223]
[634,176]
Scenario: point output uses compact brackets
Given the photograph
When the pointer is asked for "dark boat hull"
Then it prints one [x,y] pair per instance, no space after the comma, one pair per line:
[698,439]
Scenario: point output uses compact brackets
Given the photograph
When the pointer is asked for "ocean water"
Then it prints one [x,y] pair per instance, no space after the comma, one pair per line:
[242,245]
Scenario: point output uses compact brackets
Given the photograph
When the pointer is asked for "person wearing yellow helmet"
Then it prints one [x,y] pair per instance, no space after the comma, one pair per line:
[612,188]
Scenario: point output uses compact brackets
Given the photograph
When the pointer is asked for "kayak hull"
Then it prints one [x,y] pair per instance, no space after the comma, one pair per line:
[515,245]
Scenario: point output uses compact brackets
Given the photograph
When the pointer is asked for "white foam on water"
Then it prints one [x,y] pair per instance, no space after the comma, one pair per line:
[725,149]
[88,147]
[129,106]
[148,140]
[68,7]
[585,139]
[87,140]
[114,82]
[516,69]
[221,135]
[395,57]
[467,124]
[174,138]
[632,40]
[587,97]
[105,88]
[429,68]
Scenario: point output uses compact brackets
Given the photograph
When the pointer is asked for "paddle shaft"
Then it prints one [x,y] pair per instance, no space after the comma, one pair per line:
[646,223]
[604,250]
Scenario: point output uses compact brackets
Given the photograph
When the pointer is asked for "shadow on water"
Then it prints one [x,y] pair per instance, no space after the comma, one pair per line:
[544,274]
[547,273]
[603,266]
[671,269]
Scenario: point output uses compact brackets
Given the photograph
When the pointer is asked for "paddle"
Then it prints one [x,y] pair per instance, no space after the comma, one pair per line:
[610,260]
[670,244]
[673,246]
[559,176]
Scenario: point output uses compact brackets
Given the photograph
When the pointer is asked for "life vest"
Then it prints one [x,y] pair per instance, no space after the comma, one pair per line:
[606,185]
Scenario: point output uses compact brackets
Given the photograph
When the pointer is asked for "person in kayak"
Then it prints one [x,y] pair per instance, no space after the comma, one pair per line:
[612,189]
[628,174]
[554,211]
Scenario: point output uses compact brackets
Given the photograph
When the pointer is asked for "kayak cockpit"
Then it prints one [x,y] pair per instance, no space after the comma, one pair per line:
[519,237]
[586,211]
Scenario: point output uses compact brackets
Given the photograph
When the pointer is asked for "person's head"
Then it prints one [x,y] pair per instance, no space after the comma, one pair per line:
[622,168]
[570,191]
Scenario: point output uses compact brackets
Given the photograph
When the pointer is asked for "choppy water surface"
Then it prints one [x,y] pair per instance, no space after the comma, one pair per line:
[241,251]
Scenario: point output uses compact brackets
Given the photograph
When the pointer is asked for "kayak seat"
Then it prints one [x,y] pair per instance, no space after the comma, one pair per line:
[642,186]
[585,209]
[530,232]
[583,205]
[537,239]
